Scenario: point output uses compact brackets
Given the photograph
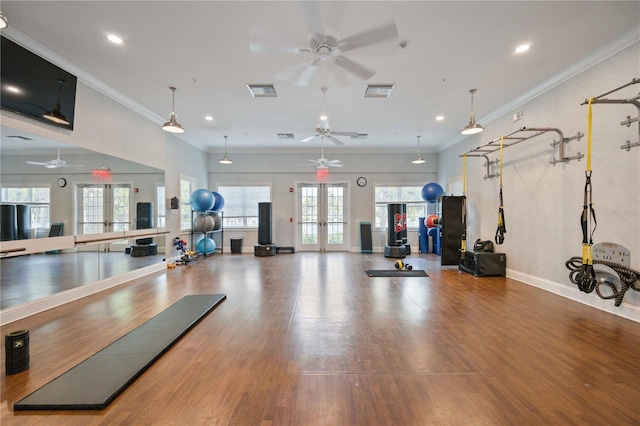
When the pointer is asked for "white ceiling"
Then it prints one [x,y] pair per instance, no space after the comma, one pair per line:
[202,48]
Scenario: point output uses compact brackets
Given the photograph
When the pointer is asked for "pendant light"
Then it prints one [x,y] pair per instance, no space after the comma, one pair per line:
[3,21]
[225,160]
[172,126]
[472,127]
[56,114]
[419,159]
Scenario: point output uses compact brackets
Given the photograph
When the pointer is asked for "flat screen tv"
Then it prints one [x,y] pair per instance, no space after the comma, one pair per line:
[36,88]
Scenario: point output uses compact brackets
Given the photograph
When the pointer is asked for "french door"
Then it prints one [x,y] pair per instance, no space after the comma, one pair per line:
[104,208]
[321,217]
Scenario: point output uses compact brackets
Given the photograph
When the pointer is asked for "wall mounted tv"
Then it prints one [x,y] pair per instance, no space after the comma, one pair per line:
[34,87]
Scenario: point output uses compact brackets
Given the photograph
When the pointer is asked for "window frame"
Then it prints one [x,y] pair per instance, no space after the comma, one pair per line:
[410,205]
[246,223]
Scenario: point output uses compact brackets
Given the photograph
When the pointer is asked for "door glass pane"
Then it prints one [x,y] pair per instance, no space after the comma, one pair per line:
[92,210]
[309,205]
[335,215]
[120,209]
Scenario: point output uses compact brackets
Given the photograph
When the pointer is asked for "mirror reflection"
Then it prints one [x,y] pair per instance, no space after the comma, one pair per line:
[50,189]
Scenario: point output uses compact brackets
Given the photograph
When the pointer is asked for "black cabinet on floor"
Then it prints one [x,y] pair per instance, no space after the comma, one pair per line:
[451,229]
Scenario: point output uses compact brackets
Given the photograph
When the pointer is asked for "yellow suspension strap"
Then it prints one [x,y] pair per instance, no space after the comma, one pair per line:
[463,242]
[586,276]
[502,229]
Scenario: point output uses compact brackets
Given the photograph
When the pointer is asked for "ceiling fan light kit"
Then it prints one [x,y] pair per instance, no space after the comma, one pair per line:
[3,21]
[172,126]
[472,127]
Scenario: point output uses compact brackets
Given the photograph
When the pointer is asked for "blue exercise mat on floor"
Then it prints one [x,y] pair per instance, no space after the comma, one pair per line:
[95,382]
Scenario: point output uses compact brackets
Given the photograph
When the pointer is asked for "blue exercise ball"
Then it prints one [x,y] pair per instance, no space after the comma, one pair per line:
[201,199]
[219,201]
[431,192]
[206,246]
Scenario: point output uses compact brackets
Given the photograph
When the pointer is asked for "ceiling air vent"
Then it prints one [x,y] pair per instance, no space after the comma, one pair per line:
[262,90]
[378,90]
[285,135]
[360,136]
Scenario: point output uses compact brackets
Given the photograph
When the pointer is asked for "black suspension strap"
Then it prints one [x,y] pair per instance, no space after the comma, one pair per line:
[585,276]
[502,229]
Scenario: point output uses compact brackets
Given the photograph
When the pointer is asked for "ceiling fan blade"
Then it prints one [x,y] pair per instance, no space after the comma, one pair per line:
[330,164]
[312,14]
[316,161]
[52,166]
[350,134]
[385,32]
[310,138]
[353,67]
[35,163]
[335,140]
[307,74]
[73,166]
[271,42]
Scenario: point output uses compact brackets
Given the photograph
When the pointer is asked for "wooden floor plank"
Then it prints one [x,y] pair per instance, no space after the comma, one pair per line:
[309,339]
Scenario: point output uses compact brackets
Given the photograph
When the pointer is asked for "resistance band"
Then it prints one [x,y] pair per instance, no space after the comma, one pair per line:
[585,276]
[502,229]
[463,242]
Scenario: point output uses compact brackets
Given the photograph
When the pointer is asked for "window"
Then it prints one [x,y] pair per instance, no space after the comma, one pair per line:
[409,195]
[187,186]
[241,204]
[161,212]
[38,199]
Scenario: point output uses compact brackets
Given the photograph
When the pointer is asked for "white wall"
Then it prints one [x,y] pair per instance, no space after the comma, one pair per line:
[543,203]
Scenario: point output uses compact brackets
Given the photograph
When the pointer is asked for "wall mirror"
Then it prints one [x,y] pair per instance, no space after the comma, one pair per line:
[91,195]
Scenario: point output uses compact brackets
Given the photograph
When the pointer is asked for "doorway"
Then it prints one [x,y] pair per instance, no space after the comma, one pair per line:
[322,211]
[104,208]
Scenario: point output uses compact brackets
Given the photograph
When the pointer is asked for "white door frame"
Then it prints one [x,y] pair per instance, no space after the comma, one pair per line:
[322,244]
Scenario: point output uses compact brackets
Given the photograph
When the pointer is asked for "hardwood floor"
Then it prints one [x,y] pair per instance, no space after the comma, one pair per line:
[310,339]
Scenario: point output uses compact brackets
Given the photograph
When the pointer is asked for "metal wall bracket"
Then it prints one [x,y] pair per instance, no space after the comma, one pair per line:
[633,101]
[514,138]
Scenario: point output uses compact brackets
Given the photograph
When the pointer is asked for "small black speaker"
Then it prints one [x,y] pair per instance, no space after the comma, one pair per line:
[144,215]
[16,346]
[264,223]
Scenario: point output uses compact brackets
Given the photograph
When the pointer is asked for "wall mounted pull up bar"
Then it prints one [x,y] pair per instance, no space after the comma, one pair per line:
[634,101]
[521,136]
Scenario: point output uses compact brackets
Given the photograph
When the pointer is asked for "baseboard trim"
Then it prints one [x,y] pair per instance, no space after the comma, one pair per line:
[625,310]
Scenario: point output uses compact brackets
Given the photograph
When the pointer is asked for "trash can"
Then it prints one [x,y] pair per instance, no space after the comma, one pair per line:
[17,351]
[236,244]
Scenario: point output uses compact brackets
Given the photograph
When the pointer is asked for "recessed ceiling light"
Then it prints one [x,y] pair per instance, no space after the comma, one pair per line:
[440,118]
[208,118]
[114,39]
[522,48]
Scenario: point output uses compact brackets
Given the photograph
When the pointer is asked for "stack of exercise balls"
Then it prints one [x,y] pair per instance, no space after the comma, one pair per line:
[206,245]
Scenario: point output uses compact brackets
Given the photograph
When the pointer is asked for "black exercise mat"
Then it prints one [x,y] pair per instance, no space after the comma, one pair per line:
[95,382]
[396,273]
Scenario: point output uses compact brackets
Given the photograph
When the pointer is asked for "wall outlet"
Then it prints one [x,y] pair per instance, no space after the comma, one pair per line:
[518,116]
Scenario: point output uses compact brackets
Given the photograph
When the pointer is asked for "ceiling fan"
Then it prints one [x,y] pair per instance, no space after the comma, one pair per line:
[323,163]
[55,164]
[324,48]
[324,130]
